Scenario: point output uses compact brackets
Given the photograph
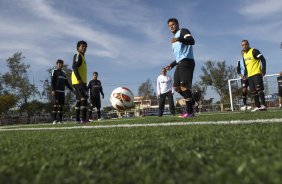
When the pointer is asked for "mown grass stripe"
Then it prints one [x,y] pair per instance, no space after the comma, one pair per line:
[231,122]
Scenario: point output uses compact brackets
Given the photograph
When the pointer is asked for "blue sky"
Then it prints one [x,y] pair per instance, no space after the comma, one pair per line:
[129,41]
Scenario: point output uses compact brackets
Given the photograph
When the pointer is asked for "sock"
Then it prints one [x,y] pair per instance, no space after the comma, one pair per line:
[77,111]
[256,99]
[83,108]
[262,98]
[99,113]
[60,113]
[90,113]
[55,109]
[188,98]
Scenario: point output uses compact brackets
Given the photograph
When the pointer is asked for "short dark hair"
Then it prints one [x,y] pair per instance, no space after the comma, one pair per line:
[96,73]
[60,61]
[80,43]
[245,41]
[172,20]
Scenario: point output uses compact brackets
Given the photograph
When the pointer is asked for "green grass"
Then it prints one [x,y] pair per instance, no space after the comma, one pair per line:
[174,154]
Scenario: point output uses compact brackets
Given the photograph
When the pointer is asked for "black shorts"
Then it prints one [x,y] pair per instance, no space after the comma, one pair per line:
[95,102]
[59,98]
[81,91]
[244,83]
[280,91]
[256,82]
[183,74]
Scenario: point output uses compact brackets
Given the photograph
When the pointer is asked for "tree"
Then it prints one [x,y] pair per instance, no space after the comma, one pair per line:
[16,80]
[146,89]
[199,86]
[8,101]
[34,107]
[216,75]
[1,85]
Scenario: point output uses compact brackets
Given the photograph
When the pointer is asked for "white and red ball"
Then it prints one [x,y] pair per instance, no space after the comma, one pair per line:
[122,99]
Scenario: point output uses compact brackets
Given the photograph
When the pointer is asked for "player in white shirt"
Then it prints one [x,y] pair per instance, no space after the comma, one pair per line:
[165,89]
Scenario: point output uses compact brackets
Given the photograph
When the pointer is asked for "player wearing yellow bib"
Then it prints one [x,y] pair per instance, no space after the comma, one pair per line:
[255,65]
[79,81]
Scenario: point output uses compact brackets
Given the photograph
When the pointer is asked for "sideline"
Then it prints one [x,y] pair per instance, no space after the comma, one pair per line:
[232,122]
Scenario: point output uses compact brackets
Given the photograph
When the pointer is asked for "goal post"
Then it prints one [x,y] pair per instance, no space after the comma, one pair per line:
[264,78]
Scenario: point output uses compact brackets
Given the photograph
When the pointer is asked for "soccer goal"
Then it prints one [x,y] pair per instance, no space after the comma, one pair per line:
[270,90]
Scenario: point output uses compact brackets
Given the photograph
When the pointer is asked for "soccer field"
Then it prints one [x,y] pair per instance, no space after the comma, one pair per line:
[211,148]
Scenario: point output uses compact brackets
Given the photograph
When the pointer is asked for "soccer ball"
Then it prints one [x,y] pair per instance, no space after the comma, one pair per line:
[122,99]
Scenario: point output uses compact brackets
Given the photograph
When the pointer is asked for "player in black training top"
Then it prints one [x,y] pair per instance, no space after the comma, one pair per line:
[279,80]
[58,83]
[96,89]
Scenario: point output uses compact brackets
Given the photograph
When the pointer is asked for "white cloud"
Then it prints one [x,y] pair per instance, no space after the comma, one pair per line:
[261,8]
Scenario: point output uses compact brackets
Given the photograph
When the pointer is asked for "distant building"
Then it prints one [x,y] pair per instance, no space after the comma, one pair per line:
[149,106]
[140,102]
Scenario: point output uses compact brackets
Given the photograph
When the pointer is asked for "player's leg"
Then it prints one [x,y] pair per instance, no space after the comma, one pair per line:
[98,106]
[78,102]
[60,114]
[61,106]
[77,110]
[55,108]
[161,104]
[83,101]
[254,93]
[260,89]
[90,110]
[280,96]
[244,92]
[186,74]
[171,103]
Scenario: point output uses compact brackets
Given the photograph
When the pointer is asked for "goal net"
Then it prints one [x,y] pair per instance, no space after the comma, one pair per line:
[270,91]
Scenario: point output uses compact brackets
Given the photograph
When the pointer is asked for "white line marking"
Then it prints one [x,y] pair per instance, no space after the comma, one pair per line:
[232,122]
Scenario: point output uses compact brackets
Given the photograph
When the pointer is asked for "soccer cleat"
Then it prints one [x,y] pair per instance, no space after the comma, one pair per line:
[84,121]
[262,108]
[90,120]
[99,119]
[182,115]
[60,122]
[188,115]
[54,122]
[245,108]
[255,109]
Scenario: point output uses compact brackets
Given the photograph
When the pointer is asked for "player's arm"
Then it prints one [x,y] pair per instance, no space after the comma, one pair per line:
[77,61]
[88,86]
[158,87]
[101,90]
[258,55]
[53,81]
[171,65]
[186,37]
[239,69]
[171,83]
[69,85]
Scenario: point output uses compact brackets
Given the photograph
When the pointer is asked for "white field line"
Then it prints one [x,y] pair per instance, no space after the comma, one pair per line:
[232,122]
